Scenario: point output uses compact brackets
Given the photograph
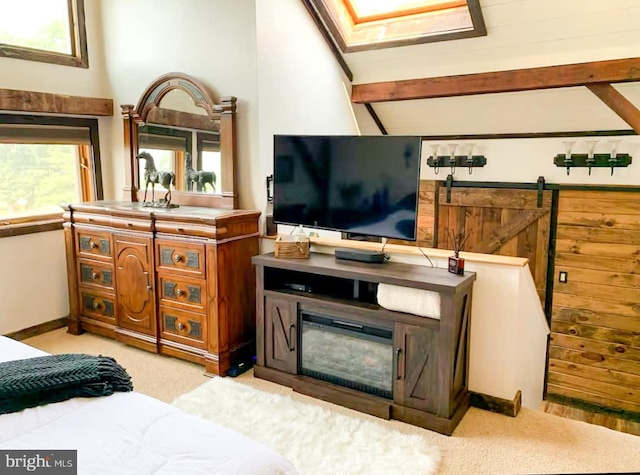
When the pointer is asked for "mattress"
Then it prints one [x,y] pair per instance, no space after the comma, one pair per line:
[130,433]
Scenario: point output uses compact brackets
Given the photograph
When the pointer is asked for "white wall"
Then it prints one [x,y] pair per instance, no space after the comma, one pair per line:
[33,276]
[524,160]
[302,88]
[211,40]
[33,280]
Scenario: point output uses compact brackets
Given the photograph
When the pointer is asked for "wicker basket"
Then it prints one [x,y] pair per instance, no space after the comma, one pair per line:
[289,247]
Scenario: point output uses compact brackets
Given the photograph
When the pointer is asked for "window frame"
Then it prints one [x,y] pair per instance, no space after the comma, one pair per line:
[79,56]
[354,37]
[90,173]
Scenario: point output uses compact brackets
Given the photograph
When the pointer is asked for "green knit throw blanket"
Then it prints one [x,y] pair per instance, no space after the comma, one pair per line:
[45,379]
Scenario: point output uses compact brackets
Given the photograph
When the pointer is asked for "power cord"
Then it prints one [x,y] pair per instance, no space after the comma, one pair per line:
[386,256]
[428,258]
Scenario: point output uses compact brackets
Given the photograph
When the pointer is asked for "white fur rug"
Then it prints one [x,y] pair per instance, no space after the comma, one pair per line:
[314,439]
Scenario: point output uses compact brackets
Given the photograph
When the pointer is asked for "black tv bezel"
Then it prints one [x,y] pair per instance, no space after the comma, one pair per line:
[340,230]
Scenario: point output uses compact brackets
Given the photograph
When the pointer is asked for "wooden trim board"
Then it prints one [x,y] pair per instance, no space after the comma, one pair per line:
[38,329]
[30,101]
[529,79]
[411,250]
[496,404]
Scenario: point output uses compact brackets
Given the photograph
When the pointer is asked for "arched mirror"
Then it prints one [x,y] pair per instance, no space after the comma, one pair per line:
[180,130]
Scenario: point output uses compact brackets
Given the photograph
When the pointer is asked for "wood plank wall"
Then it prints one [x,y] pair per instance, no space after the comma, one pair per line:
[594,355]
[426,215]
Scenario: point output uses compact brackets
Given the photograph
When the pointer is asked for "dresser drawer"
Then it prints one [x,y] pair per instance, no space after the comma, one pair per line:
[94,244]
[98,305]
[96,274]
[182,327]
[183,292]
[181,257]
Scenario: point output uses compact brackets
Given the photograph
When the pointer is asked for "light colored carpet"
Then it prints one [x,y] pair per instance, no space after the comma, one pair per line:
[315,439]
[483,443]
[162,377]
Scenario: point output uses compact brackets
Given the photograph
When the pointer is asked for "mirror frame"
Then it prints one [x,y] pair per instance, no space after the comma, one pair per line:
[224,111]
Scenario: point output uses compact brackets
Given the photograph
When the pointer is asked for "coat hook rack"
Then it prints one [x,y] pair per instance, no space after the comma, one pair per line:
[590,160]
[470,161]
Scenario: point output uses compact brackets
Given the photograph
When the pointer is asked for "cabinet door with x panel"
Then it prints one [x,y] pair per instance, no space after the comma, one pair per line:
[281,342]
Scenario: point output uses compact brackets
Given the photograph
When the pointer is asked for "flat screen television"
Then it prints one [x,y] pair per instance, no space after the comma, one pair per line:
[365,185]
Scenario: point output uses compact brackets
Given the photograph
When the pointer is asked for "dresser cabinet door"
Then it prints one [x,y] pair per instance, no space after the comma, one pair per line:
[281,345]
[134,284]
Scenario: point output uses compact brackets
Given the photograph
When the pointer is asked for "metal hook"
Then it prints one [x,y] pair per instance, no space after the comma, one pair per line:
[568,162]
[470,160]
[452,157]
[612,162]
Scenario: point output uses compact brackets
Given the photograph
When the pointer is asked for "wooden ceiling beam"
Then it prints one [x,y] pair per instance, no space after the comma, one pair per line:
[618,104]
[29,101]
[569,75]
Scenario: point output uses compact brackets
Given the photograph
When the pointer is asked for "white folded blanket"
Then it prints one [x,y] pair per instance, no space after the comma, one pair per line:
[425,303]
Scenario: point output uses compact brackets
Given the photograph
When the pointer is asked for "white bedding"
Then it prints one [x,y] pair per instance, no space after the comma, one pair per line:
[130,433]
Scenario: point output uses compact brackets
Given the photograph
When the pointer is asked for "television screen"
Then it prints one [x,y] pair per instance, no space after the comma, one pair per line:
[357,184]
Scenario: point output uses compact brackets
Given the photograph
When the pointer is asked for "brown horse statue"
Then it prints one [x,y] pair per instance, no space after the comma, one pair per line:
[153,176]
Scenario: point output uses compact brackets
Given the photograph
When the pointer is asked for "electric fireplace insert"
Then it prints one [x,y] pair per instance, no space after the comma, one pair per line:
[347,353]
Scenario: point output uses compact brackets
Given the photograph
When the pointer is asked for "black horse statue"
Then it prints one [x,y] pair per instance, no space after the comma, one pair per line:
[200,177]
[153,176]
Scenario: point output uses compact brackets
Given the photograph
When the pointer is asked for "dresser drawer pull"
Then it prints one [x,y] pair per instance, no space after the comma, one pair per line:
[95,275]
[179,292]
[130,225]
[92,245]
[177,258]
[180,230]
[96,305]
[180,326]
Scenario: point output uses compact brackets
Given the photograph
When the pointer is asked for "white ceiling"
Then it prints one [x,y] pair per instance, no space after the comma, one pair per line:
[521,34]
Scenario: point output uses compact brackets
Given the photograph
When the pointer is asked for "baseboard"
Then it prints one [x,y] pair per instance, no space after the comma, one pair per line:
[496,404]
[593,408]
[39,329]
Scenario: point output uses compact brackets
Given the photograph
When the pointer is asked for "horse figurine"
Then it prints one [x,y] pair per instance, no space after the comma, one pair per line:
[153,176]
[200,177]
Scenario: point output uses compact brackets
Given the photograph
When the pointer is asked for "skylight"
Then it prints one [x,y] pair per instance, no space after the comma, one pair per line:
[358,25]
[372,10]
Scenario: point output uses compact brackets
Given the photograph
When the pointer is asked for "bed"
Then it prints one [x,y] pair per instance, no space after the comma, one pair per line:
[130,433]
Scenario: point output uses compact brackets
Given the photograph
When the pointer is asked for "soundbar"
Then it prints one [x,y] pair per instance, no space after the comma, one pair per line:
[371,257]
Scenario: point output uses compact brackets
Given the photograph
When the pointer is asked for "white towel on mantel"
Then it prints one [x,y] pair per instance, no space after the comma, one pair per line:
[425,303]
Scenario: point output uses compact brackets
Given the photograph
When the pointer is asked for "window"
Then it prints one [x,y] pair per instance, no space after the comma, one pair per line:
[46,162]
[211,160]
[359,25]
[51,31]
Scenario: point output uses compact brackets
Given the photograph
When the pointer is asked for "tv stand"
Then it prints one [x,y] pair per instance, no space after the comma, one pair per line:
[360,255]
[312,312]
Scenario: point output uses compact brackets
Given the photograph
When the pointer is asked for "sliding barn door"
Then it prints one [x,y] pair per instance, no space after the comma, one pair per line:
[508,222]
[594,357]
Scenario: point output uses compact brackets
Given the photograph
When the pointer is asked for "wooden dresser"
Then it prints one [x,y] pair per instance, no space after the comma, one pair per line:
[173,281]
